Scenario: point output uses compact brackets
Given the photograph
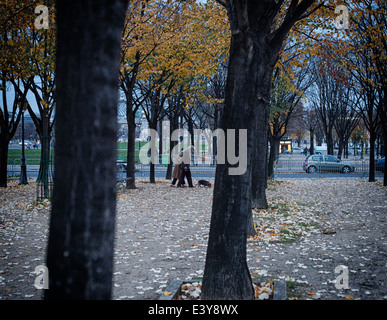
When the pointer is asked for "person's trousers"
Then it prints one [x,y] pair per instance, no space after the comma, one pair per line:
[174,181]
[182,176]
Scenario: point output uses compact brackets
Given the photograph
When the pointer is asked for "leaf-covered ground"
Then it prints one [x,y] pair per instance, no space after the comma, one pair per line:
[311,227]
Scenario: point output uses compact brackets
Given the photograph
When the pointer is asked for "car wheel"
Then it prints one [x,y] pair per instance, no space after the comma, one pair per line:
[312,169]
[346,169]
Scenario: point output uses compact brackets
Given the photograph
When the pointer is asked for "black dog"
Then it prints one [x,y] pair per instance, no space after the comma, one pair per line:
[204,183]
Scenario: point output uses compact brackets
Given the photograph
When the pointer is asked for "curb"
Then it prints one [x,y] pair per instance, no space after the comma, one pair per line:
[279,290]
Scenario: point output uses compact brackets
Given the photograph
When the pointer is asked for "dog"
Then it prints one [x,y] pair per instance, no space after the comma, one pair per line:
[204,183]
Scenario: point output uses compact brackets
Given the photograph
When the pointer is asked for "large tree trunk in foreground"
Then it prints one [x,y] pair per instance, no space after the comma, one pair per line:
[80,246]
[226,273]
[253,52]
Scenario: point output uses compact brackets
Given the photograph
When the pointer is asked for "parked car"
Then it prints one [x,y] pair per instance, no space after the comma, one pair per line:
[379,164]
[297,150]
[326,163]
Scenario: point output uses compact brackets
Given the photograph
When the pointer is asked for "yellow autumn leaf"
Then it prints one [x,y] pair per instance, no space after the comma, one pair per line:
[167,293]
[349,296]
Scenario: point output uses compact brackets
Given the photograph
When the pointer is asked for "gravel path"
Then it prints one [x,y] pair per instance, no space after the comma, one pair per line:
[312,227]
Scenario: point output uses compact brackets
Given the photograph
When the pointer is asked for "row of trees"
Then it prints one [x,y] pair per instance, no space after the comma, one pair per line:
[27,63]
[165,63]
[334,107]
[167,67]
[171,50]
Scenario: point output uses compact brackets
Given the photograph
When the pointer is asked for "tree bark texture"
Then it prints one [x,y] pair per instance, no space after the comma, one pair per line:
[127,85]
[130,155]
[253,54]
[4,142]
[273,154]
[371,174]
[81,235]
[45,138]
[226,273]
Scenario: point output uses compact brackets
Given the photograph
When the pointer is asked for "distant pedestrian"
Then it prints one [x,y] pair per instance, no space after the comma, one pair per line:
[306,151]
[185,166]
[177,170]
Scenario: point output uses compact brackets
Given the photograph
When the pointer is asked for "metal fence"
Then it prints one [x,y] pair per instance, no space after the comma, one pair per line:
[202,171]
[32,163]
[283,165]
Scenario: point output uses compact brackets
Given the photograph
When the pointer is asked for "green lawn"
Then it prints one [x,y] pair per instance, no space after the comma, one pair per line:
[122,149]
[33,155]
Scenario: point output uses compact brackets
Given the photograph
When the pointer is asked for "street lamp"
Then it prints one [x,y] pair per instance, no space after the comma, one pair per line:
[23,168]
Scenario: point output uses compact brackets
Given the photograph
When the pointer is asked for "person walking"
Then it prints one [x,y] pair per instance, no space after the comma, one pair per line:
[184,166]
[176,169]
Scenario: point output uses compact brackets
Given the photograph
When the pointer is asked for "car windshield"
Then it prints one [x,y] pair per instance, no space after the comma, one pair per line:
[331,159]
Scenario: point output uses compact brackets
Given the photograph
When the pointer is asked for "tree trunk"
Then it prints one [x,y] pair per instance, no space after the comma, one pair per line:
[130,161]
[191,127]
[311,147]
[173,126]
[153,126]
[168,173]
[259,160]
[371,177]
[383,123]
[385,162]
[253,55]
[81,236]
[340,150]
[154,113]
[8,125]
[346,149]
[226,274]
[329,141]
[4,141]
[45,138]
[127,86]
[274,147]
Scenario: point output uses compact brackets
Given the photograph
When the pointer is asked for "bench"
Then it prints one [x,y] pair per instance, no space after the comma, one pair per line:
[122,179]
[121,182]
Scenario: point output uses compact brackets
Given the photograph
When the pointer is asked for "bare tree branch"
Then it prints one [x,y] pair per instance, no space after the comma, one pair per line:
[221,2]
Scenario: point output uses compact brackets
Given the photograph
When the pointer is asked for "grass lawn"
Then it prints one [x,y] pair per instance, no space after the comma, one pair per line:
[33,155]
[122,149]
